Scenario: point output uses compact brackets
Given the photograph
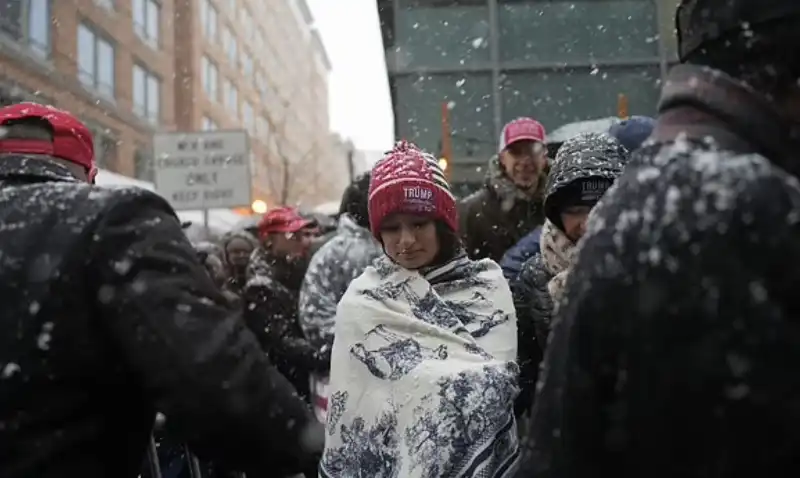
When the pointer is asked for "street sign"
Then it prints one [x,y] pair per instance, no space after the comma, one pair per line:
[208,170]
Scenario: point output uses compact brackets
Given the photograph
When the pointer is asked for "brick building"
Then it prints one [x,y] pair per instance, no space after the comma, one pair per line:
[103,60]
[129,68]
[260,66]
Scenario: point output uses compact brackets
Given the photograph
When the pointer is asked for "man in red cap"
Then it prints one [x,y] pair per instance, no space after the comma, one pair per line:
[272,291]
[108,315]
[509,205]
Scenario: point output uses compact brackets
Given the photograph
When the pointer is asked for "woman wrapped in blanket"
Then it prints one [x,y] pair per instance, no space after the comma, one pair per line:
[423,372]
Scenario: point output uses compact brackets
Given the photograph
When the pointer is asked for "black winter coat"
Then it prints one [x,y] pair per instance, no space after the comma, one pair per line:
[676,350]
[271,297]
[582,157]
[107,316]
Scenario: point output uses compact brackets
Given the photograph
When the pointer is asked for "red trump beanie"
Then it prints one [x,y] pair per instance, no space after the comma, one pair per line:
[409,180]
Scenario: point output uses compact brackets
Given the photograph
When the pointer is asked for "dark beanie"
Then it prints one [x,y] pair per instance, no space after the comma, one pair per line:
[632,132]
[355,200]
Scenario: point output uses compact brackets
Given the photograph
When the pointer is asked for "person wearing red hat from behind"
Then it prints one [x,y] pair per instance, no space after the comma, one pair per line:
[421,336]
[109,316]
[510,204]
[271,295]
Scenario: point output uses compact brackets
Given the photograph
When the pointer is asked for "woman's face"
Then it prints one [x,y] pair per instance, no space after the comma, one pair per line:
[238,251]
[411,241]
[574,220]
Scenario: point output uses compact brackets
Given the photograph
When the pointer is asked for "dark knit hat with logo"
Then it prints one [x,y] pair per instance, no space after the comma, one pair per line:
[409,180]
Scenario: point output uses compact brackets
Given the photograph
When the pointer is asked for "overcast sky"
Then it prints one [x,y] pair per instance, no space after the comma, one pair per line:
[360,104]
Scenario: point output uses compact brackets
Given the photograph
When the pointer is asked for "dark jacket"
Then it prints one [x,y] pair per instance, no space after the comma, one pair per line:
[271,298]
[497,216]
[107,316]
[589,155]
[675,349]
[523,250]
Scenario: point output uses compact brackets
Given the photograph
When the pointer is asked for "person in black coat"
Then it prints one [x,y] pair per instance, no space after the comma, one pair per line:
[679,336]
[271,296]
[108,316]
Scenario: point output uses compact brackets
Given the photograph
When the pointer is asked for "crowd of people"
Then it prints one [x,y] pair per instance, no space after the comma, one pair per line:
[624,308]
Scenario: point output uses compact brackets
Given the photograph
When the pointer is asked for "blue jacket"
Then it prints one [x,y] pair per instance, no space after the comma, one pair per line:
[523,250]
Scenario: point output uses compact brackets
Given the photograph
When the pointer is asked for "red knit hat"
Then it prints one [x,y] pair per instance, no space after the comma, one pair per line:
[72,140]
[409,180]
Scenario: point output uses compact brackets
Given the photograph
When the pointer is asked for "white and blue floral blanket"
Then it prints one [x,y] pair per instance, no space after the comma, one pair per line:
[423,375]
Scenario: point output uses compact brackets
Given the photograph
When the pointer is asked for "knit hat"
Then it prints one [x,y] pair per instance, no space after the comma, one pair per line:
[72,140]
[409,180]
[633,131]
[521,129]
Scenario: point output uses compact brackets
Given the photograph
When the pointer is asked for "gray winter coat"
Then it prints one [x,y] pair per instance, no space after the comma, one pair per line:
[584,156]
[333,267]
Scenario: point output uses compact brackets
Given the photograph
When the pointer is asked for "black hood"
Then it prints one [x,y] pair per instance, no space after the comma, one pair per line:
[355,200]
[587,155]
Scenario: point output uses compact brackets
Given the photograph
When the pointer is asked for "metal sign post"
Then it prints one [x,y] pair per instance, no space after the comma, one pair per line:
[203,171]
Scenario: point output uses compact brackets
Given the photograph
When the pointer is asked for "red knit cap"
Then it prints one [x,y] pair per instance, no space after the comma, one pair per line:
[409,180]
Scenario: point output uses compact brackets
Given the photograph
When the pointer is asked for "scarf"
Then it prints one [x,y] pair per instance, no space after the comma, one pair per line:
[423,374]
[558,254]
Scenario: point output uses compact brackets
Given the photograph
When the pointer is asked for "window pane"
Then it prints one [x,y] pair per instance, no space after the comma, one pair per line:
[139,90]
[558,98]
[39,27]
[433,36]
[561,31]
[139,16]
[11,20]
[153,15]
[105,67]
[86,55]
[470,101]
[153,98]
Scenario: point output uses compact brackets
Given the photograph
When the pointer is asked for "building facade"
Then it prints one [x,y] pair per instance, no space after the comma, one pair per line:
[131,68]
[259,66]
[489,61]
[110,62]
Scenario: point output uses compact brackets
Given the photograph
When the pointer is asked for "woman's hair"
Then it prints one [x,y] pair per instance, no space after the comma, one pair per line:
[450,245]
[355,200]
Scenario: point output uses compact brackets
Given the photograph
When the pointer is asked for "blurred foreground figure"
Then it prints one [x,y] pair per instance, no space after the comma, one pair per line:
[675,349]
[108,315]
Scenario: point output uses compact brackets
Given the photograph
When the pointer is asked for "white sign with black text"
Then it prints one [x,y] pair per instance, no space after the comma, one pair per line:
[208,170]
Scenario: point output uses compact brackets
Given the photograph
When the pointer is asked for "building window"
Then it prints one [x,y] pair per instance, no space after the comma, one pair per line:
[461,29]
[146,14]
[146,94]
[143,164]
[231,98]
[208,16]
[28,23]
[209,124]
[95,61]
[105,145]
[577,31]
[247,64]
[210,78]
[249,119]
[262,127]
[261,85]
[575,94]
[469,95]
[231,46]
